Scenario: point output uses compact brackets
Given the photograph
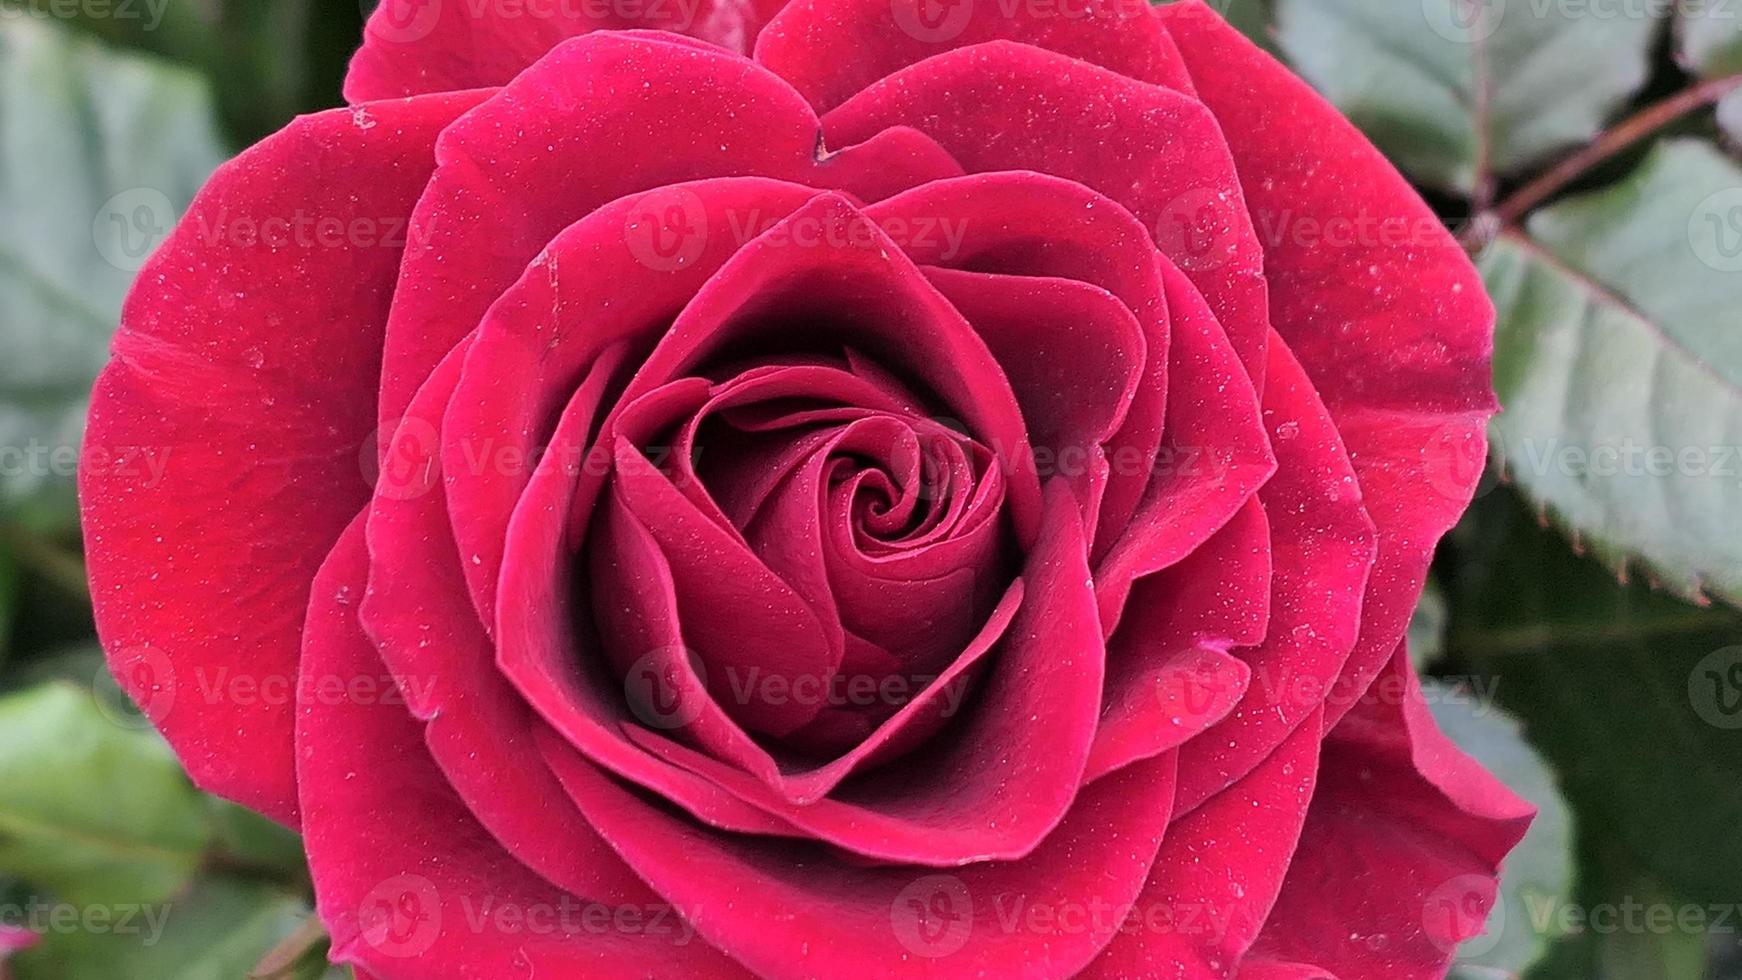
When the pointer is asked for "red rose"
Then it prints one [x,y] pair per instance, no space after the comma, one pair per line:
[941,497]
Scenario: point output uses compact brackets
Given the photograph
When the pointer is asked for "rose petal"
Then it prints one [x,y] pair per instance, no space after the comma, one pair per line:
[555,662]
[1403,841]
[635,599]
[1075,357]
[826,278]
[1005,106]
[691,112]
[420,881]
[1390,320]
[233,417]
[600,282]
[740,617]
[922,601]
[940,701]
[1256,968]
[995,760]
[889,162]
[831,49]
[1219,872]
[1029,224]
[1169,673]
[915,602]
[1321,548]
[478,729]
[416,47]
[1072,351]
[793,914]
[766,422]
[1214,455]
[14,939]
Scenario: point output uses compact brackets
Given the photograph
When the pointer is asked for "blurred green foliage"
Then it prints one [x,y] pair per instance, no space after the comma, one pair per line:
[118,110]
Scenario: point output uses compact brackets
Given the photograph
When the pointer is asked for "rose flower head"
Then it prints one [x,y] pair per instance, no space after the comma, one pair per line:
[858,488]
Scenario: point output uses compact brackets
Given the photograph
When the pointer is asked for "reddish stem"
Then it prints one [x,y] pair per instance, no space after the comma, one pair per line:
[1612,141]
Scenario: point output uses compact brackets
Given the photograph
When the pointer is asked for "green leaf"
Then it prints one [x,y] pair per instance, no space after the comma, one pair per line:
[1619,361]
[1648,954]
[268,42]
[302,955]
[1541,866]
[246,839]
[1250,17]
[99,153]
[8,599]
[1634,697]
[265,43]
[1458,91]
[1730,118]
[1615,937]
[171,28]
[1709,36]
[1427,628]
[217,930]
[83,666]
[95,813]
